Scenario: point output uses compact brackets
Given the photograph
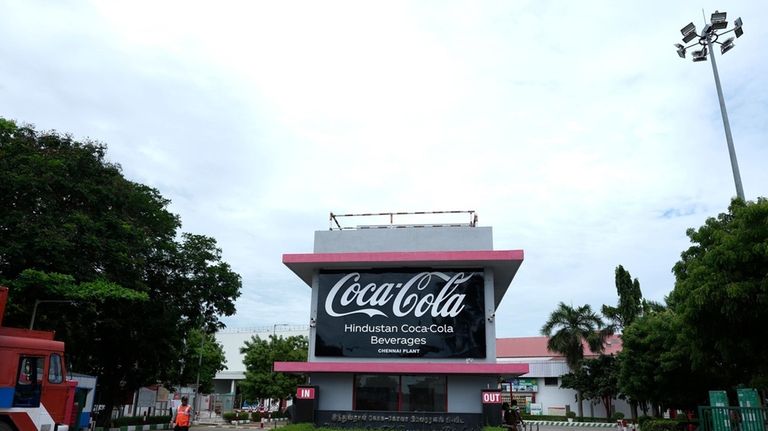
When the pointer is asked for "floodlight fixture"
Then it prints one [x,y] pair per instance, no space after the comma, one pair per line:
[689,32]
[737,30]
[726,46]
[680,50]
[718,20]
[707,31]
[700,55]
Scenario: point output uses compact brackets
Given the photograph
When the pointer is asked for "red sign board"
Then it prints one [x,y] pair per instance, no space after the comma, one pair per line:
[491,397]
[305,393]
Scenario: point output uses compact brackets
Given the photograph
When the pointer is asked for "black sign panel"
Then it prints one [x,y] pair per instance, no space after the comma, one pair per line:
[425,313]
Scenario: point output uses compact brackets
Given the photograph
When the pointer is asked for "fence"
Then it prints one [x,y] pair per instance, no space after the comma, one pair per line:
[733,419]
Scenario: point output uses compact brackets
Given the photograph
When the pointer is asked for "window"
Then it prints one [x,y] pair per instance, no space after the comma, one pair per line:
[54,369]
[550,381]
[376,392]
[423,393]
[28,382]
[400,393]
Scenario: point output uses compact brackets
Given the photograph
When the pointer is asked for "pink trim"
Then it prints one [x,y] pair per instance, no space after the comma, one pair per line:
[405,256]
[401,368]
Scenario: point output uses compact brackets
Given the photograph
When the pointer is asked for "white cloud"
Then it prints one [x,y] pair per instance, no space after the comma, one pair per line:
[572,128]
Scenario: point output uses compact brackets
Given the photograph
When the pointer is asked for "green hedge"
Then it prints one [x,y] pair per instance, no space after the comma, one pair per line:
[140,420]
[229,416]
[662,425]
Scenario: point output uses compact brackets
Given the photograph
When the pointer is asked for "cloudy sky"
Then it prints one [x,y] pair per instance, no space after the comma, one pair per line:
[572,128]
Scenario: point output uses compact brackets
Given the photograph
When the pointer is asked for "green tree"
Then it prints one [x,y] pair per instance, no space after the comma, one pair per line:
[72,227]
[568,329]
[260,355]
[721,293]
[597,379]
[201,353]
[655,365]
[630,305]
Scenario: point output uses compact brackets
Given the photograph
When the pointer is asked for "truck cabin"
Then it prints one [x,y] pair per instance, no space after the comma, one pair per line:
[32,371]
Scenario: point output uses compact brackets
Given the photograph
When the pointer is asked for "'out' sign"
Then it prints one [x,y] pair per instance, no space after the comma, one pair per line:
[491,397]
[305,393]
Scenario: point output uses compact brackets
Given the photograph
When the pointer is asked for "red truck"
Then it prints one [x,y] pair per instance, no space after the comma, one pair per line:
[35,394]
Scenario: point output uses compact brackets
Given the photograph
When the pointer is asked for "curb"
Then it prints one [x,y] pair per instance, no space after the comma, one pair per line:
[136,428]
[573,424]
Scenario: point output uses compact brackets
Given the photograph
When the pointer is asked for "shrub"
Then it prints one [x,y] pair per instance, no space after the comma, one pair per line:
[255,416]
[243,416]
[661,425]
[229,416]
[616,416]
[571,415]
[643,419]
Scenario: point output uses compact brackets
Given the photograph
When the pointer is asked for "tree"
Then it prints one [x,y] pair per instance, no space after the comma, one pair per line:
[597,379]
[260,355]
[721,293]
[655,364]
[630,305]
[568,329]
[204,354]
[72,227]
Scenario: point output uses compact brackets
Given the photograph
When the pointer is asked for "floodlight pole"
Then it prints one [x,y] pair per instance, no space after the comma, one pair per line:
[726,124]
[42,301]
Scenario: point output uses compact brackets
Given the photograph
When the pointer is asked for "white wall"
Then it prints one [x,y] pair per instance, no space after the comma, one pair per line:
[555,396]
[464,393]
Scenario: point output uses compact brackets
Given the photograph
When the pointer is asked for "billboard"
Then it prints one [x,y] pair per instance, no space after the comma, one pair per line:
[424,313]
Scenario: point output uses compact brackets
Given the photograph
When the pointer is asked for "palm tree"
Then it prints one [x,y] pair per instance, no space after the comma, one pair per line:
[568,328]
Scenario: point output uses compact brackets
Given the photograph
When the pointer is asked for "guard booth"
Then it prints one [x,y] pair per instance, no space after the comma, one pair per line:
[402,325]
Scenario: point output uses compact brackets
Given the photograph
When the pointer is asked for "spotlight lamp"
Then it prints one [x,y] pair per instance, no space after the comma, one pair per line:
[718,20]
[726,46]
[680,50]
[689,32]
[700,55]
[737,30]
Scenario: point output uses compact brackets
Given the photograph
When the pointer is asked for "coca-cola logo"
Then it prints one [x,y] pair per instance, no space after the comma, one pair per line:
[432,293]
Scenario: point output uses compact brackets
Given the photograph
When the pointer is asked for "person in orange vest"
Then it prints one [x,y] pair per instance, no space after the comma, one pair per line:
[183,416]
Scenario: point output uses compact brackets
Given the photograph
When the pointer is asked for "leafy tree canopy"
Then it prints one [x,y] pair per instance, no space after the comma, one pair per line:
[597,379]
[72,227]
[203,357]
[630,300]
[655,364]
[568,328]
[721,292]
[260,355]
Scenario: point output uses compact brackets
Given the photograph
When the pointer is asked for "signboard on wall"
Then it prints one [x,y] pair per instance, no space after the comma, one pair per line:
[425,313]
[524,385]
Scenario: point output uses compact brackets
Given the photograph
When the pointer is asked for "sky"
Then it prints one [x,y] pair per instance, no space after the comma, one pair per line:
[572,128]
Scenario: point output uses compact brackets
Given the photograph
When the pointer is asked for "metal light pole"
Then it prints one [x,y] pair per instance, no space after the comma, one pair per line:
[707,39]
[197,385]
[274,328]
[40,301]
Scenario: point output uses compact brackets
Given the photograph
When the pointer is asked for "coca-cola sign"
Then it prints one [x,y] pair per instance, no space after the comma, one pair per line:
[432,313]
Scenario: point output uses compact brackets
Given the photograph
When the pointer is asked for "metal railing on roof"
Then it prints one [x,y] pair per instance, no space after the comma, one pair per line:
[335,224]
